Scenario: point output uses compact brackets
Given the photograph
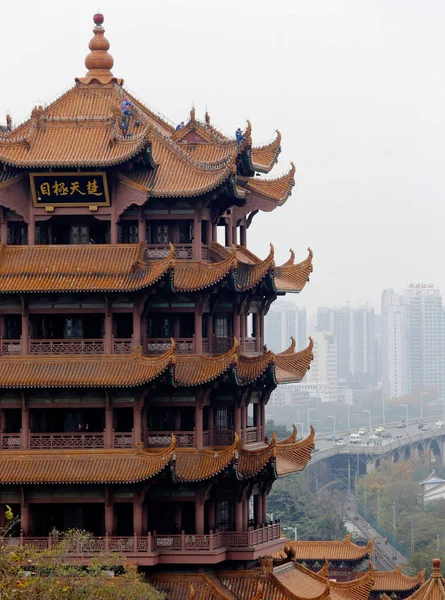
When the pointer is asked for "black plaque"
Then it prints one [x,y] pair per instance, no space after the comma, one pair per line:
[69,189]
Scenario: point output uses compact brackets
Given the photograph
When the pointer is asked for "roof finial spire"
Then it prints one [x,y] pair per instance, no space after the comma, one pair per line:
[98,62]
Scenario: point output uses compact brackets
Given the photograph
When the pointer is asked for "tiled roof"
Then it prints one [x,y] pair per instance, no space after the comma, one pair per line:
[264,157]
[88,267]
[131,465]
[130,370]
[432,589]
[176,586]
[292,277]
[293,456]
[395,581]
[340,550]
[82,466]
[115,370]
[8,178]
[277,189]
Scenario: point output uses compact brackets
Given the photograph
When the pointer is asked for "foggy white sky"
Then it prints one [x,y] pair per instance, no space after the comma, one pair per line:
[356,88]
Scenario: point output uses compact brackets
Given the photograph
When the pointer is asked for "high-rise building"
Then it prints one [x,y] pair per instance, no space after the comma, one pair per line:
[363,344]
[338,322]
[109,249]
[412,340]
[323,373]
[285,320]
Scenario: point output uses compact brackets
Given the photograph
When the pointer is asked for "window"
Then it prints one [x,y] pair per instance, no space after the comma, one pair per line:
[17,233]
[223,515]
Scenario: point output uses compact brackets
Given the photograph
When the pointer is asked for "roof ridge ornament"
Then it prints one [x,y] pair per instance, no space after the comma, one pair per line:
[99,62]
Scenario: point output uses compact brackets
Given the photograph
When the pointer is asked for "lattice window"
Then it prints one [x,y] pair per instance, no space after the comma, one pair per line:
[223,515]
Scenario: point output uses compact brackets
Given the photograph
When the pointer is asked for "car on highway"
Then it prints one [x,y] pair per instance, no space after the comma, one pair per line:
[401,425]
[333,438]
[440,424]
[340,443]
[355,438]
[386,434]
[373,436]
[362,431]
[423,427]
[379,429]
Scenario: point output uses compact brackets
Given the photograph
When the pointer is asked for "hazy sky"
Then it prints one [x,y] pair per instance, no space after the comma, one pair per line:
[356,88]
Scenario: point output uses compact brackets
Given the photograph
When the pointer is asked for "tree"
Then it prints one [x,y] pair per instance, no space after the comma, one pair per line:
[63,572]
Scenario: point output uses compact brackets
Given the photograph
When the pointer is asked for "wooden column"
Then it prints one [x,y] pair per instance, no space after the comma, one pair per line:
[211,426]
[236,323]
[214,232]
[144,519]
[243,235]
[25,518]
[257,420]
[258,509]
[264,506]
[209,318]
[142,230]
[199,440]
[199,513]
[31,230]
[25,327]
[243,421]
[235,235]
[238,515]
[137,421]
[261,321]
[137,514]
[108,421]
[2,420]
[114,231]
[109,517]
[177,411]
[263,418]
[198,329]
[137,338]
[3,227]
[245,512]
[24,431]
[197,247]
[108,342]
[243,333]
[237,418]
[228,228]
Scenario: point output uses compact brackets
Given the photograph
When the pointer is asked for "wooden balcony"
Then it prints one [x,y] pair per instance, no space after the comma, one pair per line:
[60,347]
[182,251]
[161,345]
[153,548]
[9,441]
[71,441]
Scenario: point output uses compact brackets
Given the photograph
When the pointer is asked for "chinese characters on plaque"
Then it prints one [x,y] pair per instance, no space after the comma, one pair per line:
[69,189]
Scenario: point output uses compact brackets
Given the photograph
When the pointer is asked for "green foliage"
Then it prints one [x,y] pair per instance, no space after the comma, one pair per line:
[281,431]
[51,574]
[316,516]
[393,495]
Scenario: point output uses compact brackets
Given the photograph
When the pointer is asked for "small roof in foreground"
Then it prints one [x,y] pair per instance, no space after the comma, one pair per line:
[341,550]
[432,589]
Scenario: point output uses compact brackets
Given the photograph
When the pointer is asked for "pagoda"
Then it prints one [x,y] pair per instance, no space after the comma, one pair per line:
[133,371]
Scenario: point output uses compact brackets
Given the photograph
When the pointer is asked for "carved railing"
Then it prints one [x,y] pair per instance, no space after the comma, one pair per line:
[10,346]
[205,345]
[158,543]
[182,251]
[222,344]
[123,439]
[184,439]
[206,438]
[160,345]
[71,346]
[41,441]
[223,437]
[122,346]
[251,435]
[10,441]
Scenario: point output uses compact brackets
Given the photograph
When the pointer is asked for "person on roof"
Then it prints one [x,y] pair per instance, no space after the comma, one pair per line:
[126,113]
[180,126]
[240,137]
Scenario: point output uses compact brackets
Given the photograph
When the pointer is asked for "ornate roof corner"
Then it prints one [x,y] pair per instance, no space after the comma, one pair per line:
[291,348]
[264,157]
[275,190]
[293,457]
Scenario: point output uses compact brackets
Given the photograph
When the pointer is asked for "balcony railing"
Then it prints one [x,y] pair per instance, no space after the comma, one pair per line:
[160,345]
[222,344]
[251,435]
[9,441]
[154,543]
[42,441]
[72,346]
[249,344]
[184,439]
[10,347]
[122,345]
[223,437]
[182,251]
[123,439]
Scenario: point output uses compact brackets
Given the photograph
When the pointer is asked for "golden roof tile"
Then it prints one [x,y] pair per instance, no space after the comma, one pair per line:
[115,370]
[177,586]
[264,157]
[91,267]
[292,278]
[395,581]
[292,367]
[293,456]
[82,466]
[191,370]
[432,589]
[341,550]
[277,189]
